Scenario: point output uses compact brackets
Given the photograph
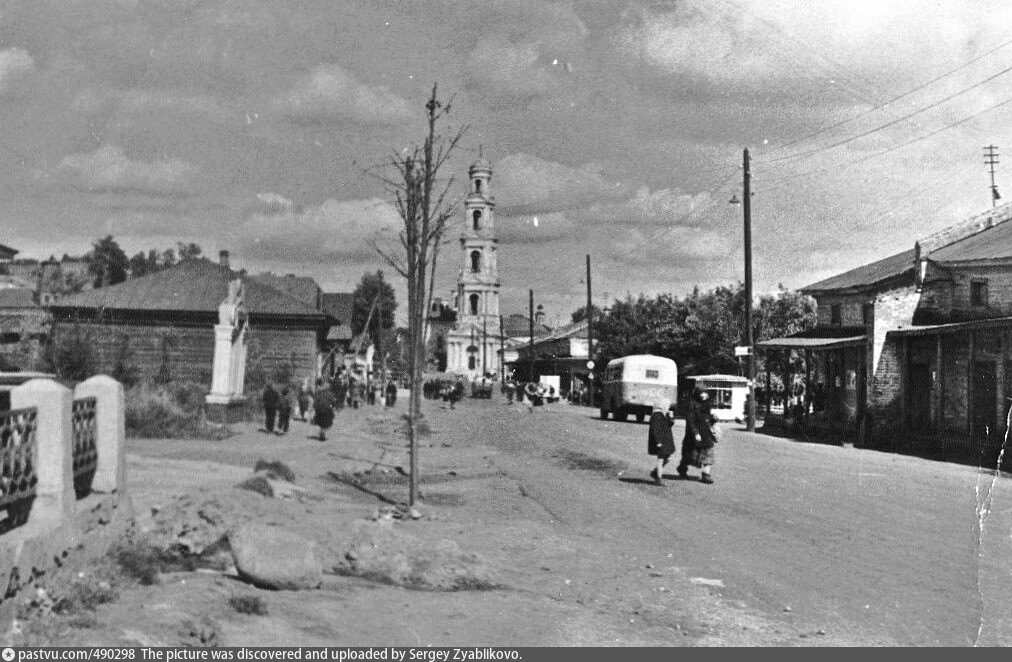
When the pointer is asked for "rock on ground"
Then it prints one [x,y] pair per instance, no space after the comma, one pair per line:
[275,558]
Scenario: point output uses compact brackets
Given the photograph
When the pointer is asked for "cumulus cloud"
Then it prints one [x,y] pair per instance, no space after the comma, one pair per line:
[791,46]
[527,184]
[109,169]
[333,229]
[329,93]
[13,63]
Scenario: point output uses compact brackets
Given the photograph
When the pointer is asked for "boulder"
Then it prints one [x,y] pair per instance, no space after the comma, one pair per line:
[275,558]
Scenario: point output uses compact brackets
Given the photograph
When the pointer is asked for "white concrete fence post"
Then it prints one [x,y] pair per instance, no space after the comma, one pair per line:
[55,499]
[110,431]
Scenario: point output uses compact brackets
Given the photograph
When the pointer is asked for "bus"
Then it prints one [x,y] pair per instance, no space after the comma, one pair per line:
[636,384]
[728,395]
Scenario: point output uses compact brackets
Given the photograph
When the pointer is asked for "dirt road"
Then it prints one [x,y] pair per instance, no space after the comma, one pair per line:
[545,527]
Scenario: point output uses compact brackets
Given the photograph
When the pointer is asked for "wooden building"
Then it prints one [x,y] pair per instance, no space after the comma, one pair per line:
[162,324]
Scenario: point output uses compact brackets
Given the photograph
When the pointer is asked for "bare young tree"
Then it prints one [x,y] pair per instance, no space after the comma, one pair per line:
[422,203]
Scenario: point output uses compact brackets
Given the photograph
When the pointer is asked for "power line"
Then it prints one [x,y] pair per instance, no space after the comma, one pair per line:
[892,100]
[837,167]
[869,132]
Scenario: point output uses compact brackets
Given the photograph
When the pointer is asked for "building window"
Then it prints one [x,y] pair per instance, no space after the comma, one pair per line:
[477,186]
[868,314]
[10,337]
[475,262]
[471,362]
[978,293]
[477,219]
[474,304]
[836,315]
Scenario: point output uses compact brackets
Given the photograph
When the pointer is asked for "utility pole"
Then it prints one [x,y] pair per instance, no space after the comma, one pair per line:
[747,206]
[991,160]
[484,344]
[530,344]
[590,341]
[502,353]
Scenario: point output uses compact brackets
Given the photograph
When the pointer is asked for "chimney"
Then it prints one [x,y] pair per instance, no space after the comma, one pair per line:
[539,316]
[223,259]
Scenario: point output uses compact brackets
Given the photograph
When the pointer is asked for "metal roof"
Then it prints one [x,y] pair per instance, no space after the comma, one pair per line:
[197,285]
[994,243]
[867,275]
[793,342]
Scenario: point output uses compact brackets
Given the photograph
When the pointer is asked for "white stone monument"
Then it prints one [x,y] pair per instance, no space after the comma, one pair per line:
[228,378]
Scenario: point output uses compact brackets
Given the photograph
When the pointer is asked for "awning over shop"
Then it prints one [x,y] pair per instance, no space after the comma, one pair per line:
[795,342]
[955,327]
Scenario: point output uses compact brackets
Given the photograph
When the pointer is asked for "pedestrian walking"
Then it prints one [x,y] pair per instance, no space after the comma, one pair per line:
[284,410]
[271,402]
[391,393]
[456,392]
[305,396]
[323,416]
[700,437]
[660,440]
[511,389]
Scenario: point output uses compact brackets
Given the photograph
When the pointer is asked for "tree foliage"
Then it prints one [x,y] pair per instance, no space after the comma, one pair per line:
[698,331]
[373,289]
[107,263]
[153,261]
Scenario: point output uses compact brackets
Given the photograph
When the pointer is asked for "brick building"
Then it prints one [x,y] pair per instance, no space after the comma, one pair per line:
[912,350]
[162,324]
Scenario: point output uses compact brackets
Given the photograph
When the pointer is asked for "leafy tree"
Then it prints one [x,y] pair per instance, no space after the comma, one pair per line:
[700,330]
[580,313]
[188,251]
[373,289]
[143,264]
[107,263]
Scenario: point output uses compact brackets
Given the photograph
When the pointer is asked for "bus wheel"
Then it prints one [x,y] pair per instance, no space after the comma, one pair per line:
[604,414]
[621,415]
[639,418]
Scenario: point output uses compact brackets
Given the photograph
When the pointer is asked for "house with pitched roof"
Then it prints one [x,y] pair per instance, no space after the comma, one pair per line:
[162,324]
[914,349]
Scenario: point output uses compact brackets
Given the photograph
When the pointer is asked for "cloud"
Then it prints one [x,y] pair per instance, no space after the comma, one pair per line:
[14,62]
[501,67]
[109,169]
[823,51]
[527,184]
[329,93]
[139,101]
[334,229]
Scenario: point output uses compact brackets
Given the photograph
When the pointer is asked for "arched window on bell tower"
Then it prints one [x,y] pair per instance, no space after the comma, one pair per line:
[475,262]
[477,186]
[477,219]
[474,304]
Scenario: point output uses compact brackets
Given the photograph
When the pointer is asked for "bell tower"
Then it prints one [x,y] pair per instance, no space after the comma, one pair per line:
[478,280]
[473,343]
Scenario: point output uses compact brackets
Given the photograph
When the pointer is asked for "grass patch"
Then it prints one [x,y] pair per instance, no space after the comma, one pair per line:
[169,411]
[144,563]
[574,460]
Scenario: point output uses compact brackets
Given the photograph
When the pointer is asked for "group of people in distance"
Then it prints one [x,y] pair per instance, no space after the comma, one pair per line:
[321,401]
[701,435]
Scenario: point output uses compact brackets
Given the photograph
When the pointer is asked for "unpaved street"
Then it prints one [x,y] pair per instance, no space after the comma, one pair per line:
[878,547]
[541,528]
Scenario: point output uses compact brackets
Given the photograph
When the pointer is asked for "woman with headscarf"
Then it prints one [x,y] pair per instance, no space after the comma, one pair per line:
[700,437]
[660,440]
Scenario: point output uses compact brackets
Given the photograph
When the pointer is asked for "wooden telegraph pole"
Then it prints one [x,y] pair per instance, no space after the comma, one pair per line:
[530,344]
[747,206]
[590,341]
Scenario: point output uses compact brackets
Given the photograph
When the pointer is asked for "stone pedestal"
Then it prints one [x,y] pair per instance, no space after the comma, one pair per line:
[228,377]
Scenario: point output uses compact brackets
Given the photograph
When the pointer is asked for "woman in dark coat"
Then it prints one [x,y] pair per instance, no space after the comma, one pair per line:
[700,437]
[323,415]
[660,440]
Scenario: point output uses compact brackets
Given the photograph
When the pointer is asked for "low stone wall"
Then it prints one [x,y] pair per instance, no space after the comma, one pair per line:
[65,524]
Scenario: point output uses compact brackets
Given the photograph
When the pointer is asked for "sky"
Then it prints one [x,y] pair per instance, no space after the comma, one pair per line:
[615,129]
